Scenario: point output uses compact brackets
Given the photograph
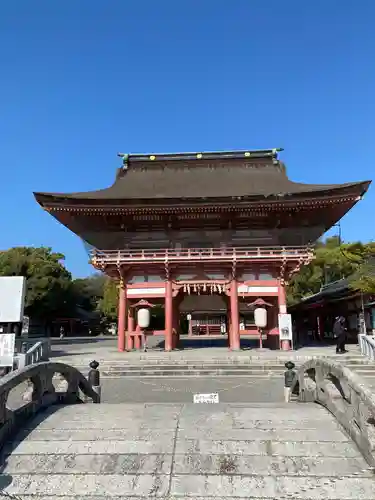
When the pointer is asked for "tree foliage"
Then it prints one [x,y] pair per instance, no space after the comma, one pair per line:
[109,303]
[49,283]
[364,278]
[51,292]
[334,261]
[89,291]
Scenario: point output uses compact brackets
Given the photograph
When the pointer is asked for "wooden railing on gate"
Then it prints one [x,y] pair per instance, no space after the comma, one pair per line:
[198,254]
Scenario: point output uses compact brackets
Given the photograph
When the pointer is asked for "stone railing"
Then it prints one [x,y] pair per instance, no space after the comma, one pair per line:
[345,395]
[367,345]
[40,351]
[46,384]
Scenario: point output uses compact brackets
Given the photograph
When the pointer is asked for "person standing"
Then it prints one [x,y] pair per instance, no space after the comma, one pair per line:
[339,332]
[145,339]
[289,378]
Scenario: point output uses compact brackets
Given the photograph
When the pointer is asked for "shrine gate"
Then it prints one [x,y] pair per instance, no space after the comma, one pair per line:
[205,235]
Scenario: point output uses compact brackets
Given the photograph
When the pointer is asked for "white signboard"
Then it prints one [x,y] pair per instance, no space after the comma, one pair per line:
[12,298]
[206,398]
[285,327]
[7,344]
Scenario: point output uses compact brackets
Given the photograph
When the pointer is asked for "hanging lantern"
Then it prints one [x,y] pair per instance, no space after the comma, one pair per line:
[260,317]
[143,317]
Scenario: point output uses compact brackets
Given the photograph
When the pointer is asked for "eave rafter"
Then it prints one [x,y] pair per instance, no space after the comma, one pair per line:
[246,207]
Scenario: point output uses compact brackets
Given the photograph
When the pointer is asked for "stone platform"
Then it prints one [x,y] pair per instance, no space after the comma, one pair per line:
[185,451]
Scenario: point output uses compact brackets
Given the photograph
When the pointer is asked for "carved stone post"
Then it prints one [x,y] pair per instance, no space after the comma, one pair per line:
[94,377]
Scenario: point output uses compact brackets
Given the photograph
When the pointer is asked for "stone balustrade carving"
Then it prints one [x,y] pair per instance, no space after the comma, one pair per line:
[35,353]
[41,379]
[345,395]
[367,345]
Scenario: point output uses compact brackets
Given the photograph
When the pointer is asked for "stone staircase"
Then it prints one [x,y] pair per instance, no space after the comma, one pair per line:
[180,452]
[250,365]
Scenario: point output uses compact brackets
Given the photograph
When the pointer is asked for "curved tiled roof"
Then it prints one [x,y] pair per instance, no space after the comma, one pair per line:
[219,175]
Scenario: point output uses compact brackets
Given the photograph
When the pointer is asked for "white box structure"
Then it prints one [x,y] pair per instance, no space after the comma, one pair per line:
[12,298]
[7,347]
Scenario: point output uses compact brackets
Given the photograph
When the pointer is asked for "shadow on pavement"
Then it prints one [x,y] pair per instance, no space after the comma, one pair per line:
[80,340]
[187,343]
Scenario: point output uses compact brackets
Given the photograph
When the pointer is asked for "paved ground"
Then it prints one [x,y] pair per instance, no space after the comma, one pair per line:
[181,390]
[181,452]
[80,351]
[230,390]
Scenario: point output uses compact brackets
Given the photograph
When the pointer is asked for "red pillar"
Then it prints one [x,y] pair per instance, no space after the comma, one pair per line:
[137,338]
[176,322]
[285,344]
[168,315]
[130,331]
[282,299]
[234,335]
[121,327]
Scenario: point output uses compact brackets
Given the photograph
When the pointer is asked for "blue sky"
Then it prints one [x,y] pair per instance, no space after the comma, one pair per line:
[82,80]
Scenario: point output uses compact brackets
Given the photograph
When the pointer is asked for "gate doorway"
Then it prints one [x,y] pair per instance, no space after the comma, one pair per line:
[208,324]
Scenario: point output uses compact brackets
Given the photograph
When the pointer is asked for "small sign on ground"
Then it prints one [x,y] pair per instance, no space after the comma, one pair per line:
[206,398]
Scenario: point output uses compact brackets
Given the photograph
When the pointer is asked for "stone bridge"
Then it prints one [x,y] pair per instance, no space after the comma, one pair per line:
[319,446]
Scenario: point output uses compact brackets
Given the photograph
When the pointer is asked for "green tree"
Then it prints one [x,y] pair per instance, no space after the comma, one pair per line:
[108,305]
[49,283]
[89,291]
[333,261]
[363,278]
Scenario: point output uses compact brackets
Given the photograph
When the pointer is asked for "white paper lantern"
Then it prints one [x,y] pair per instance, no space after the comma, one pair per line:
[143,318]
[260,316]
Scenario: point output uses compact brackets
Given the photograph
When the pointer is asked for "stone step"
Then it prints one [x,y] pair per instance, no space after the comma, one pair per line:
[187,485]
[209,369]
[159,463]
[190,373]
[180,451]
[179,356]
[172,367]
[370,379]
[179,359]
[151,364]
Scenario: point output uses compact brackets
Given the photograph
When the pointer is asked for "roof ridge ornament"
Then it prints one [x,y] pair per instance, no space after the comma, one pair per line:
[125,160]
